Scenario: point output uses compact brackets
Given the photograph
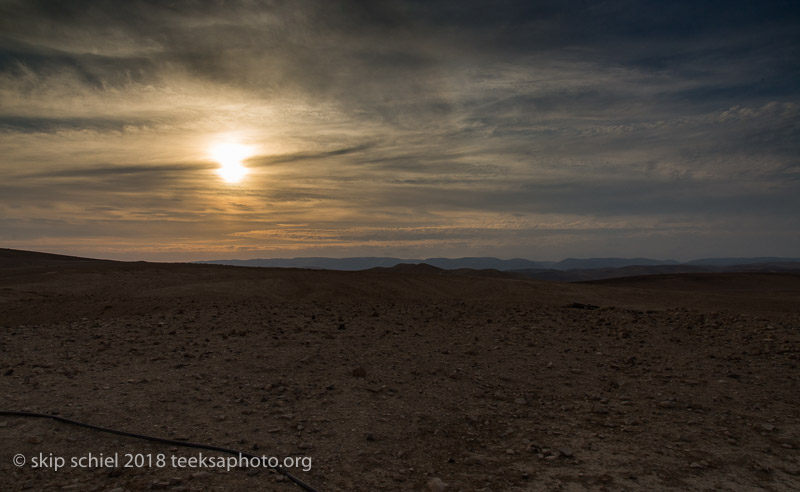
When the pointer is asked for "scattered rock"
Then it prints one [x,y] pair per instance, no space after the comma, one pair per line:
[578,305]
[437,485]
[472,460]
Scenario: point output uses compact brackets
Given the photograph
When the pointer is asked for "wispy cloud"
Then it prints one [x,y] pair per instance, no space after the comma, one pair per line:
[405,127]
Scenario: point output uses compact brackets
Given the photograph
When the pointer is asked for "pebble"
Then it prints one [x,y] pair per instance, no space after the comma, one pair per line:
[566,452]
[472,460]
[201,474]
[437,485]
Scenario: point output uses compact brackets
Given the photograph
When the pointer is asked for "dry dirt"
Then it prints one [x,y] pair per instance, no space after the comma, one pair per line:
[409,380]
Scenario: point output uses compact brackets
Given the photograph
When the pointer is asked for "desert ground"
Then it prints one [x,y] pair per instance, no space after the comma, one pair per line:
[410,378]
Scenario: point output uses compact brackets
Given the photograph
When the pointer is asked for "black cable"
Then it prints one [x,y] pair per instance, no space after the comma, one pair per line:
[185,444]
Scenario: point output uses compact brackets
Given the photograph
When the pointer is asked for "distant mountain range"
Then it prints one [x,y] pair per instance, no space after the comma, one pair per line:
[477,263]
[567,270]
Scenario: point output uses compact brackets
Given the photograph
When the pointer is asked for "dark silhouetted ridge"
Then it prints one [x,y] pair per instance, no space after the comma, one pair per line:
[11,258]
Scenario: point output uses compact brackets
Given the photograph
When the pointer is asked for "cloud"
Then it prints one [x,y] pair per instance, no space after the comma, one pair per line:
[413,114]
[24,124]
[305,156]
[120,170]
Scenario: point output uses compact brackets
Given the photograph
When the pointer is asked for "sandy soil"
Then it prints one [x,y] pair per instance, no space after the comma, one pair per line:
[404,380]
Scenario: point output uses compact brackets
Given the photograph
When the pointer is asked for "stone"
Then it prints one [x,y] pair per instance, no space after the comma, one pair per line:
[436,484]
[472,460]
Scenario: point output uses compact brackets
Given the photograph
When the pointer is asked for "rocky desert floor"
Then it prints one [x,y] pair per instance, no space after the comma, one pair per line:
[406,379]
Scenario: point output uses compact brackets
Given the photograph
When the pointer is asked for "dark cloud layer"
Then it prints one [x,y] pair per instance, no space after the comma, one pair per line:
[538,129]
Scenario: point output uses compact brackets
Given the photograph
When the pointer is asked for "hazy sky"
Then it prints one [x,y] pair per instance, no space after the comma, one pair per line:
[537,129]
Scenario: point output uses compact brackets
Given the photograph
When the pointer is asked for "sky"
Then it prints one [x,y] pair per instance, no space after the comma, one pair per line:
[413,129]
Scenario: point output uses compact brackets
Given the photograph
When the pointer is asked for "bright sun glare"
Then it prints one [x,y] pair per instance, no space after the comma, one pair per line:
[230,157]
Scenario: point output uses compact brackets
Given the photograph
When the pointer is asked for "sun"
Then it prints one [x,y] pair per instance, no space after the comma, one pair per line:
[230,157]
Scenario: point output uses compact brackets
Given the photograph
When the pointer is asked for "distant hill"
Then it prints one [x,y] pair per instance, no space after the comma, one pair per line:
[741,261]
[593,274]
[419,268]
[365,263]
[357,263]
[567,270]
[587,274]
[520,265]
[575,263]
[14,258]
